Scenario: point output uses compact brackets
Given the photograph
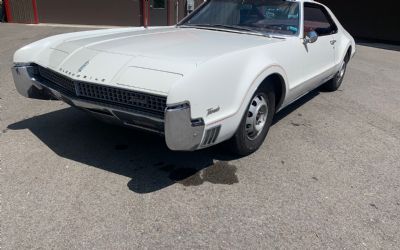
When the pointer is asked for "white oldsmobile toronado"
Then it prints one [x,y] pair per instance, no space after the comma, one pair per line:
[220,75]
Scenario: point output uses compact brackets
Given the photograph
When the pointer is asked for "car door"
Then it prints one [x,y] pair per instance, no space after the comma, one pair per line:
[319,63]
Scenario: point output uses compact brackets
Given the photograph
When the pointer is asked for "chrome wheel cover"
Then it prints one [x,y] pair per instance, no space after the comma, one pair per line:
[256,117]
[342,71]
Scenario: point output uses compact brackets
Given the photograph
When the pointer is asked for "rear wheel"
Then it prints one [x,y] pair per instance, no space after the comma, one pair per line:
[334,83]
[255,123]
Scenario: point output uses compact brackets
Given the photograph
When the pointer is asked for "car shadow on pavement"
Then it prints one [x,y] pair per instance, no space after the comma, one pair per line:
[141,156]
[297,104]
[144,157]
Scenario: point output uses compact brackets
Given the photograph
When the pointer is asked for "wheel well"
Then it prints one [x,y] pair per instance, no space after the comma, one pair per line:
[348,55]
[277,81]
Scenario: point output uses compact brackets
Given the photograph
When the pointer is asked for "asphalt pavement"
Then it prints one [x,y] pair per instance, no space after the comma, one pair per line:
[328,175]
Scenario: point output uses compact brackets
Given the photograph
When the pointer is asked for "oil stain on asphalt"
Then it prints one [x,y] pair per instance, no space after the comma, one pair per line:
[219,173]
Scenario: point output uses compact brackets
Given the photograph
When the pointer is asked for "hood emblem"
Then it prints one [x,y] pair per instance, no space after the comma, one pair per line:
[83,66]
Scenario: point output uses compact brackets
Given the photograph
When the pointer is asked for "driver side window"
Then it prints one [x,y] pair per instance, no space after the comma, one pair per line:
[317,19]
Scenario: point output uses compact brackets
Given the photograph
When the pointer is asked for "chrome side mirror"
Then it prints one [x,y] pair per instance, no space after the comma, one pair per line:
[311,37]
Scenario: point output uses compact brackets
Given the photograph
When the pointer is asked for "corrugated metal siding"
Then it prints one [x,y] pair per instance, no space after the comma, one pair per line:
[22,11]
[92,12]
[173,15]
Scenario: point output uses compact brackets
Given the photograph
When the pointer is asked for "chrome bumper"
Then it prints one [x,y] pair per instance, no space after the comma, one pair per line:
[26,83]
[180,131]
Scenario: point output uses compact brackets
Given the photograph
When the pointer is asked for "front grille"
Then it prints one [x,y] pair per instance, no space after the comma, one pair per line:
[121,96]
[127,99]
[63,82]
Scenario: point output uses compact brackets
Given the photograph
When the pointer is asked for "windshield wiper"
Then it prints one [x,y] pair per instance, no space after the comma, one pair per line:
[235,27]
[232,27]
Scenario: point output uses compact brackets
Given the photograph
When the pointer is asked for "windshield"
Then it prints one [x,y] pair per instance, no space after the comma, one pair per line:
[261,16]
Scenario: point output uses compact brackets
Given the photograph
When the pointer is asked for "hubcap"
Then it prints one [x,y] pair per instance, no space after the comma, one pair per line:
[341,72]
[256,117]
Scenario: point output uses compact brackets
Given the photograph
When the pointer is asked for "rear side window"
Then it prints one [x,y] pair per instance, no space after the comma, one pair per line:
[317,19]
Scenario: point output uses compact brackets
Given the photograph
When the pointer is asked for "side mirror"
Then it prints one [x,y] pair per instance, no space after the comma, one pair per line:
[311,37]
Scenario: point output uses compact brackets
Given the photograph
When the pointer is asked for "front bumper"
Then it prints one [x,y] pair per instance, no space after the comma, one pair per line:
[181,132]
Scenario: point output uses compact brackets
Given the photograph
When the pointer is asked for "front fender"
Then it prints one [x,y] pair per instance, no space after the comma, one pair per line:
[224,85]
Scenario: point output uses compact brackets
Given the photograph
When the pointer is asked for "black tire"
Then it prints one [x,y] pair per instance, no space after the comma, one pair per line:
[242,143]
[335,82]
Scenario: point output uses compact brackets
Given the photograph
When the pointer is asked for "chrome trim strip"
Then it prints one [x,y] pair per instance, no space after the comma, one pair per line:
[93,105]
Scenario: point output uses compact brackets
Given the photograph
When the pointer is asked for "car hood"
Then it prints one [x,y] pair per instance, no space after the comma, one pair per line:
[141,58]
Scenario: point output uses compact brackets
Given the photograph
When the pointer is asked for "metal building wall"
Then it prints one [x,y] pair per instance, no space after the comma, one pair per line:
[368,19]
[21,11]
[104,12]
[176,10]
[181,4]
[91,12]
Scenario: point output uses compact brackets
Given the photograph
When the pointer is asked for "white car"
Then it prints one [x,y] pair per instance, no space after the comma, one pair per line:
[220,75]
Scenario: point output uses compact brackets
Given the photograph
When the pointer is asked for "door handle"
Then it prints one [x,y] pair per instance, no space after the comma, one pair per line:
[333,42]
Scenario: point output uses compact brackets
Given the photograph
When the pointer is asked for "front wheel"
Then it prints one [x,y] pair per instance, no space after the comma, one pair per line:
[255,123]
